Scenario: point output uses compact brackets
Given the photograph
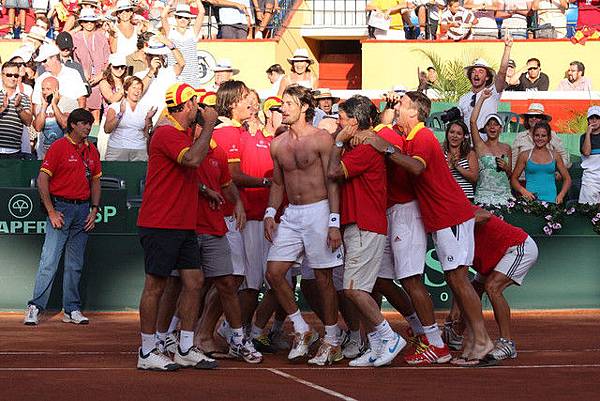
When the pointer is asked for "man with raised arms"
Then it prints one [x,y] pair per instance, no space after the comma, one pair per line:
[310,224]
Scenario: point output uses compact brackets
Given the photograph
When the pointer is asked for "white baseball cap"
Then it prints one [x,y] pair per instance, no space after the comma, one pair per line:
[47,50]
[593,111]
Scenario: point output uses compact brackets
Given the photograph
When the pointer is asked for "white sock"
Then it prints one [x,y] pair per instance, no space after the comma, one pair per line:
[332,335]
[161,336]
[433,335]
[237,336]
[300,325]
[173,325]
[415,324]
[255,332]
[384,330]
[186,340]
[277,325]
[148,343]
[355,335]
[373,338]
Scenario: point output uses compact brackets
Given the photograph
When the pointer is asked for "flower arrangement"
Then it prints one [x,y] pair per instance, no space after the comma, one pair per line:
[590,211]
[552,213]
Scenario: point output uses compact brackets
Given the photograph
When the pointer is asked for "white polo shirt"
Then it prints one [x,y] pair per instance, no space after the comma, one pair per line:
[490,106]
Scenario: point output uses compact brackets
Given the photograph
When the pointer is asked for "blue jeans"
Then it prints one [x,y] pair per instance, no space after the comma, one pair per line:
[72,238]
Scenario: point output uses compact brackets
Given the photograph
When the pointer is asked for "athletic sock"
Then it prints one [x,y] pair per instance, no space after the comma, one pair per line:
[415,324]
[148,343]
[161,336]
[300,325]
[237,336]
[277,325]
[255,332]
[373,338]
[332,335]
[173,324]
[433,335]
[384,330]
[186,340]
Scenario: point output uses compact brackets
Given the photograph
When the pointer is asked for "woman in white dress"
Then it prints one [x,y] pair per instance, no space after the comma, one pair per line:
[300,74]
[124,36]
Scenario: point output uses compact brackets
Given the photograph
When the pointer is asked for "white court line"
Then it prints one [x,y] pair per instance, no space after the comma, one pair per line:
[134,352]
[312,385]
[314,369]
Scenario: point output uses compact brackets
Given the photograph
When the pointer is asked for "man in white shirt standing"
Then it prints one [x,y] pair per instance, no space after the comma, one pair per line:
[235,21]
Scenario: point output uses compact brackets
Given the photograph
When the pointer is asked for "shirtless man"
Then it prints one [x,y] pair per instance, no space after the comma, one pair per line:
[310,224]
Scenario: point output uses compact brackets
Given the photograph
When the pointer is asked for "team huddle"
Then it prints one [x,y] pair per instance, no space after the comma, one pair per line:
[230,210]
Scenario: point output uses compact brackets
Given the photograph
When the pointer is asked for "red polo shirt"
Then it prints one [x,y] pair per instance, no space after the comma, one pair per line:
[400,188]
[170,199]
[214,173]
[443,204]
[256,162]
[364,193]
[228,137]
[67,164]
[492,240]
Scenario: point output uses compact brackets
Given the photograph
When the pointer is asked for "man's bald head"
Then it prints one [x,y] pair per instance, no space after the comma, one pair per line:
[49,85]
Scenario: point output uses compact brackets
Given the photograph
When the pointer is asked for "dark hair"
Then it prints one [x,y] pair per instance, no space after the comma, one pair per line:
[450,2]
[130,81]
[422,104]
[526,121]
[545,126]
[142,39]
[108,75]
[433,68]
[359,108]
[536,60]
[304,97]
[580,66]
[9,64]
[275,68]
[229,93]
[375,115]
[465,146]
[79,115]
[176,109]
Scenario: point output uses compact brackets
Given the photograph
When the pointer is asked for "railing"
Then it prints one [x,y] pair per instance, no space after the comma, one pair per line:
[338,13]
[279,17]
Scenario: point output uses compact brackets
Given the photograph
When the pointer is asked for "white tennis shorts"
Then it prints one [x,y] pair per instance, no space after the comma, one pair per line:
[256,249]
[236,243]
[455,245]
[516,262]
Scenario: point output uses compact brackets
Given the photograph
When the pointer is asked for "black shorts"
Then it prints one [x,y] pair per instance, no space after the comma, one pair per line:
[166,249]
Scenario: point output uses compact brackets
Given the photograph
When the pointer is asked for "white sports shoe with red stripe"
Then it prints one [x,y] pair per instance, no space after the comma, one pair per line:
[429,355]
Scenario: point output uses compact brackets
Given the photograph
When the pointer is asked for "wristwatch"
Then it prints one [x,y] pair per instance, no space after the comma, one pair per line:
[266,182]
[390,150]
[339,144]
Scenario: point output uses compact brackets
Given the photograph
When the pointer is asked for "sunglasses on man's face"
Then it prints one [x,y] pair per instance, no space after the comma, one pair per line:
[12,75]
[533,68]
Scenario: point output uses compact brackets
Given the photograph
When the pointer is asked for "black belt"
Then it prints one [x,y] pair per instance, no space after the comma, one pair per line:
[73,201]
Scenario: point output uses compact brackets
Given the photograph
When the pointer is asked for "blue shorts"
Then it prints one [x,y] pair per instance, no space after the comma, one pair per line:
[19,4]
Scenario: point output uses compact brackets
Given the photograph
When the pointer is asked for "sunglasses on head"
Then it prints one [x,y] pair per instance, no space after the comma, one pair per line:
[12,75]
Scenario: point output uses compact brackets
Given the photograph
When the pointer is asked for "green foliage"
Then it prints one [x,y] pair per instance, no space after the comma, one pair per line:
[577,124]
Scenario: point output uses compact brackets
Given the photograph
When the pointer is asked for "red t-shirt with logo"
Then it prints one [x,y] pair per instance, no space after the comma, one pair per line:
[214,173]
[256,162]
[170,198]
[228,138]
[492,240]
[70,166]
[400,188]
[443,204]
[364,193]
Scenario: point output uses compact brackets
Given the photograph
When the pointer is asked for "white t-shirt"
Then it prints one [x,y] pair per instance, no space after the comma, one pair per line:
[70,84]
[490,106]
[129,134]
[155,95]
[232,15]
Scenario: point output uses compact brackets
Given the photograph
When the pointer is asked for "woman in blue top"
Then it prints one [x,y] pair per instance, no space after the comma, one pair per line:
[540,165]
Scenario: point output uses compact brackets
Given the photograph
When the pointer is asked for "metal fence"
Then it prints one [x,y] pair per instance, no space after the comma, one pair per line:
[338,13]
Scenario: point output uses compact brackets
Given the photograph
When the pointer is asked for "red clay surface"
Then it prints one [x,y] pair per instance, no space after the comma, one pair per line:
[558,360]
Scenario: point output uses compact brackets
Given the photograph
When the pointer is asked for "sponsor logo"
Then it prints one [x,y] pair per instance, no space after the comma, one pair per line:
[20,206]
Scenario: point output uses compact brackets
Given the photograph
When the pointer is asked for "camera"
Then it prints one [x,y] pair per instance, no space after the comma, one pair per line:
[452,114]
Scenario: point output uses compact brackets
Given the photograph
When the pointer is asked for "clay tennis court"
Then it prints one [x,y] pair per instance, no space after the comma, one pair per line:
[559,354]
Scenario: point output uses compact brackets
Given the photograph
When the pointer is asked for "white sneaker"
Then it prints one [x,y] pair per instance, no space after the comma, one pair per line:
[171,343]
[75,317]
[194,357]
[245,351]
[31,315]
[352,347]
[302,342]
[390,348]
[155,360]
[504,349]
[327,354]
[365,360]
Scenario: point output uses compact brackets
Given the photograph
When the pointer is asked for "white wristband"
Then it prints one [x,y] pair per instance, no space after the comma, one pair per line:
[270,213]
[334,220]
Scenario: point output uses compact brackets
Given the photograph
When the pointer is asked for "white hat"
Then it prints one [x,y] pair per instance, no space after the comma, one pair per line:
[593,111]
[325,93]
[536,109]
[494,116]
[156,48]
[36,33]
[122,5]
[25,52]
[88,15]
[117,59]
[183,10]
[300,54]
[479,63]
[225,65]
[47,50]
